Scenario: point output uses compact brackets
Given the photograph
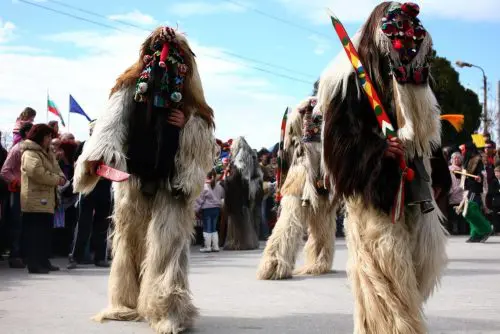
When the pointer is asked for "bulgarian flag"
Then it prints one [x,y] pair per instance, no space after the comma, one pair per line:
[51,107]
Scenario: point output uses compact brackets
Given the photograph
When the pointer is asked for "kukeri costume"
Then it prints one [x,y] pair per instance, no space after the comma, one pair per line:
[153,214]
[243,197]
[304,202]
[395,260]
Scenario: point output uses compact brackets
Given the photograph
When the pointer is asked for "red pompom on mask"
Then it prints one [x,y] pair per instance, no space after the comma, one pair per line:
[397,44]
[164,55]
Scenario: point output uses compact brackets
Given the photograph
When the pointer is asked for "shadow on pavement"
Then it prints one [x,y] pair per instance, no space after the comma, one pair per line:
[317,323]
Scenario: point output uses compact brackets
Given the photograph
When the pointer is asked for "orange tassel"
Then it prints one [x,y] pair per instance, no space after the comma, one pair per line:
[456,120]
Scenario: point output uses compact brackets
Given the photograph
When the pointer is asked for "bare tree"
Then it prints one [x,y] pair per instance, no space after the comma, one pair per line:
[6,138]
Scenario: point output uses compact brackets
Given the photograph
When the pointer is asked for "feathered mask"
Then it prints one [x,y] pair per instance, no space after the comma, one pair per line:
[164,73]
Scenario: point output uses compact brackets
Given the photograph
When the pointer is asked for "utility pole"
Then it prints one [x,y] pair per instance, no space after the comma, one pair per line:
[485,93]
[462,64]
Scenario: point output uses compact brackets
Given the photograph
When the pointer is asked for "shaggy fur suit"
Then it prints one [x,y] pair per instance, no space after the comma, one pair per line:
[302,208]
[149,273]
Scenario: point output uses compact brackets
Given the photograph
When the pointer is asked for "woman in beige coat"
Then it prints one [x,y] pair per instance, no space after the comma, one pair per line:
[40,174]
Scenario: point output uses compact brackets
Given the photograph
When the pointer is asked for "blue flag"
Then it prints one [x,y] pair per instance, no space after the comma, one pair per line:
[75,108]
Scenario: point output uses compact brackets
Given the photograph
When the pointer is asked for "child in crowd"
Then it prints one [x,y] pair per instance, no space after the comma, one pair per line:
[208,205]
[27,116]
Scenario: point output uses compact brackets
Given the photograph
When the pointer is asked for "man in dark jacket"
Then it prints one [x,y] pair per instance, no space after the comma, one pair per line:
[93,222]
[493,199]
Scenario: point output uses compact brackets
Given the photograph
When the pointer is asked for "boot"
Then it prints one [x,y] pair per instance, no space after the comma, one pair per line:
[215,242]
[208,240]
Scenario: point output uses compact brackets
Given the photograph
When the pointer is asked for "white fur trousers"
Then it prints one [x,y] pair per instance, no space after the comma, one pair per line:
[393,268]
[149,273]
[280,254]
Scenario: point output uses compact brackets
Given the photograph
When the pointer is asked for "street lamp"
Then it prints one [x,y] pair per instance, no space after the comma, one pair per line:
[463,64]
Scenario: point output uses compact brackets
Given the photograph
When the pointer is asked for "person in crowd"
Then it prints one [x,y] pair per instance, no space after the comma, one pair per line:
[493,199]
[490,150]
[487,139]
[225,167]
[479,226]
[67,137]
[40,175]
[208,206]
[55,126]
[456,223]
[55,146]
[488,174]
[11,174]
[27,116]
[4,199]
[264,160]
[489,166]
[66,214]
[3,152]
[473,164]
[93,220]
[447,152]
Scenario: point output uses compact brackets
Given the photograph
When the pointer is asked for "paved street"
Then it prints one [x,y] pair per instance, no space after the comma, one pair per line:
[232,301]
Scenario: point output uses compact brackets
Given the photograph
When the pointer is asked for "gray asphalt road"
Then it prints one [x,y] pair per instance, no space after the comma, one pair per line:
[232,301]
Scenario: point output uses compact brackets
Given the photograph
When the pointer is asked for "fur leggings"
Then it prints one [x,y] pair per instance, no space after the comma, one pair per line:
[281,249]
[393,268]
[149,273]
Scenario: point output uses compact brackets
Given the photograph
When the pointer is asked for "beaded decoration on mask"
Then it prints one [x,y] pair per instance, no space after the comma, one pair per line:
[164,72]
[406,33]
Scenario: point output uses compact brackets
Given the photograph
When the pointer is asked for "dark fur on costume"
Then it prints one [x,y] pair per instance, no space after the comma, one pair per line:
[241,234]
[353,150]
[353,142]
[243,197]
[236,190]
[152,144]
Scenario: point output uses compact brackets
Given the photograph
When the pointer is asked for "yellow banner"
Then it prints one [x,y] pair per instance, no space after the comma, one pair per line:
[478,140]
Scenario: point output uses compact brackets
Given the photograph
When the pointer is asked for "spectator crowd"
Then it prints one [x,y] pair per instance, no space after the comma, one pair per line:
[40,216]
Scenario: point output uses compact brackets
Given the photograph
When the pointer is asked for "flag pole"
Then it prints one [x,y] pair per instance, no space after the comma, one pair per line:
[47,107]
[69,113]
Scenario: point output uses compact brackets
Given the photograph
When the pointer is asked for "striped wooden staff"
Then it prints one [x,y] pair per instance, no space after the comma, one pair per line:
[383,119]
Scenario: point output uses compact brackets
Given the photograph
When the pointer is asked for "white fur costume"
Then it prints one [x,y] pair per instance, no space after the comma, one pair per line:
[393,267]
[149,273]
[243,197]
[318,216]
